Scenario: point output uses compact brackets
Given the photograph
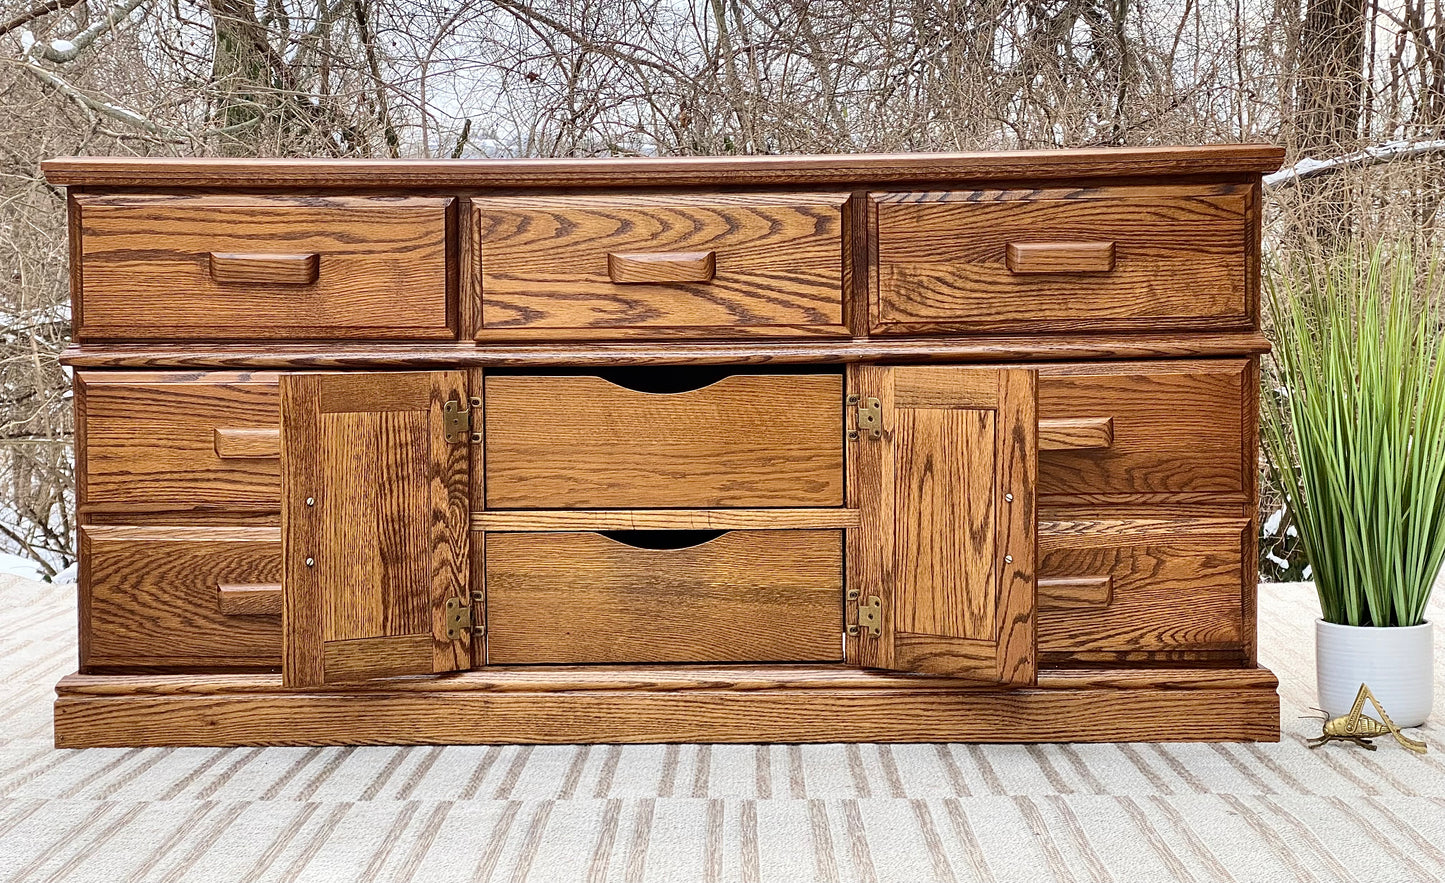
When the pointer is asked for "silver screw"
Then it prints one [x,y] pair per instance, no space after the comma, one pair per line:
[1008,497]
[311,501]
[310,562]
[1008,559]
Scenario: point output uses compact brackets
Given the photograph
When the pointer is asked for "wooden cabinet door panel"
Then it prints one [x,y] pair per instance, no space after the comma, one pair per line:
[381,547]
[946,550]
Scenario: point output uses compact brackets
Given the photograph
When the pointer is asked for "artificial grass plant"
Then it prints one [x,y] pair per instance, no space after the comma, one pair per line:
[1355,428]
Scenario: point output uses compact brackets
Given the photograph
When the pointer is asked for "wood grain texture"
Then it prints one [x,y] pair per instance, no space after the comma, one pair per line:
[1177,431]
[748,595]
[151,595]
[172,439]
[229,268]
[1076,433]
[148,269]
[371,564]
[250,599]
[660,267]
[860,169]
[1177,259]
[1059,257]
[947,553]
[547,264]
[664,519]
[1064,592]
[439,717]
[1176,584]
[232,443]
[938,350]
[749,440]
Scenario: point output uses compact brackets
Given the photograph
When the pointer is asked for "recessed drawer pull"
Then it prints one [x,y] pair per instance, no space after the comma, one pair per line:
[662,539]
[265,269]
[250,444]
[250,599]
[644,267]
[1060,257]
[1076,591]
[1076,434]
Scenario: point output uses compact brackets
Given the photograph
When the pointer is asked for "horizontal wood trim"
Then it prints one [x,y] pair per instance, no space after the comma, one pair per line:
[663,519]
[1060,257]
[252,599]
[1075,592]
[519,355]
[231,443]
[1079,715]
[1076,434]
[272,269]
[684,266]
[674,171]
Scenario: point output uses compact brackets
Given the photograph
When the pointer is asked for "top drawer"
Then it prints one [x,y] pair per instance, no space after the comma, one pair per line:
[1109,258]
[270,267]
[696,265]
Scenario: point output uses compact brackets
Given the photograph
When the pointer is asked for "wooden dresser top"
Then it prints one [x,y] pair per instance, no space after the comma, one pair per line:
[1129,162]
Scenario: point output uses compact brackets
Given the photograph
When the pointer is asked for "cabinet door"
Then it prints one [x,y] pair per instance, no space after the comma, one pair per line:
[374,526]
[944,559]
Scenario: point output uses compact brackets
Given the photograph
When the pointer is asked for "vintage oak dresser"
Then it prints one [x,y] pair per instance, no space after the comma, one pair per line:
[924,448]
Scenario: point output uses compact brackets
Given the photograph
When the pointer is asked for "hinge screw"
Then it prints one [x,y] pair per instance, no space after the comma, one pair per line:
[1008,559]
[310,562]
[1008,497]
[311,501]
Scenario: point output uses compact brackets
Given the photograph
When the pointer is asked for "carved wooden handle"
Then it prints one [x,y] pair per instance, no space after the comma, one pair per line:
[677,266]
[268,269]
[1076,433]
[1076,591]
[250,599]
[252,444]
[1060,257]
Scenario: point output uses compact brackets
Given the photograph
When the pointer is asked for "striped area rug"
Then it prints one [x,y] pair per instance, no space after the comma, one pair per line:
[703,813]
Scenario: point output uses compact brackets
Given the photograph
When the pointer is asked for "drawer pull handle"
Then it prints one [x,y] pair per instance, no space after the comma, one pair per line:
[1076,434]
[248,444]
[250,599]
[678,266]
[1072,592]
[264,269]
[1060,257]
[662,539]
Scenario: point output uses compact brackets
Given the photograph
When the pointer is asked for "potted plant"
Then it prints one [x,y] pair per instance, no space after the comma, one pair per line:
[1355,436]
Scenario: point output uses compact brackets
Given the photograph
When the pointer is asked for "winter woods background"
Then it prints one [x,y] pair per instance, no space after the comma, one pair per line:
[1356,90]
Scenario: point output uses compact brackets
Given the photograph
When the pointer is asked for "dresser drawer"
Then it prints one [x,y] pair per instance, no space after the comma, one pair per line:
[181,596]
[270,267]
[584,442]
[632,596]
[179,440]
[1141,585]
[1110,258]
[1165,432]
[703,265]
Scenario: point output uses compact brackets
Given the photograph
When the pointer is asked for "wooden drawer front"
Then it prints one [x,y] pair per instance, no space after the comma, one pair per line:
[1168,584]
[764,440]
[745,596]
[642,265]
[1143,433]
[181,596]
[180,440]
[1111,258]
[227,267]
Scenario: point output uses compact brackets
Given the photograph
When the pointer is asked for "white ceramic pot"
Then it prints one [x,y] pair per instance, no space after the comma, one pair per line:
[1397,663]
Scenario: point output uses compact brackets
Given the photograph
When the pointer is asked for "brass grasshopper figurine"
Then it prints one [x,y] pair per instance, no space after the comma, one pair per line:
[1360,728]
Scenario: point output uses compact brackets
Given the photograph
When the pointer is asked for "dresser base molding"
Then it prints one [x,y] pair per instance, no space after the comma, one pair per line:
[686,704]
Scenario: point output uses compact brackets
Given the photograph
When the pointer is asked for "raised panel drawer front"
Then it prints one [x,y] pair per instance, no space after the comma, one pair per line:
[1107,258]
[583,442]
[1141,584]
[737,596]
[1146,433]
[697,265]
[269,267]
[179,440]
[182,596]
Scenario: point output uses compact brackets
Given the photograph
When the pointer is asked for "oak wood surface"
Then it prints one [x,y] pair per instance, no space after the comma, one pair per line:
[371,561]
[549,265]
[251,443]
[1085,714]
[149,270]
[250,599]
[748,440]
[663,519]
[1241,159]
[153,595]
[1076,433]
[178,439]
[744,596]
[952,260]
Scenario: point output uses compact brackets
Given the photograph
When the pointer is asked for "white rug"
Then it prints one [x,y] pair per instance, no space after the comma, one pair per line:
[702,813]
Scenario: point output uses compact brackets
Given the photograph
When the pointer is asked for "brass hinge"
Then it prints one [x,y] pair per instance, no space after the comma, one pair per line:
[459,618]
[870,615]
[869,417]
[457,421]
